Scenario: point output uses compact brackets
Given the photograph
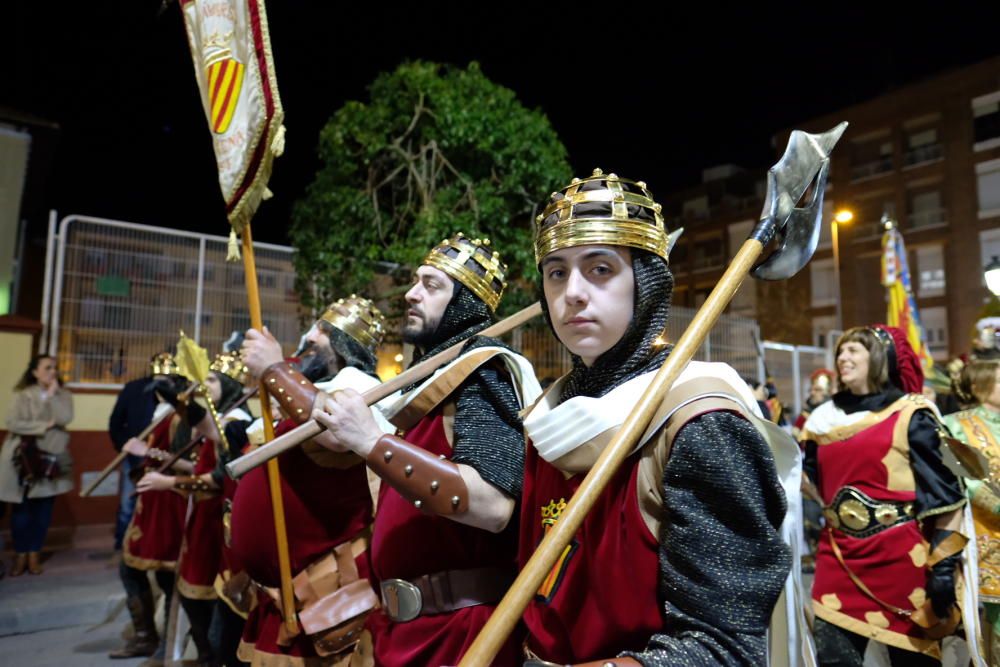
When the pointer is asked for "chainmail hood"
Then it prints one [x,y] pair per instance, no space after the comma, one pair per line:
[636,352]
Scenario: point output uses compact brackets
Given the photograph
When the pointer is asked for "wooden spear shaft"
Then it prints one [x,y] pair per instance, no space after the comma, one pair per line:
[311,429]
[273,475]
[509,611]
[117,461]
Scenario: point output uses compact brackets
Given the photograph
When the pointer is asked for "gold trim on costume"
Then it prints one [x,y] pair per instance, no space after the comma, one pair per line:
[195,591]
[892,638]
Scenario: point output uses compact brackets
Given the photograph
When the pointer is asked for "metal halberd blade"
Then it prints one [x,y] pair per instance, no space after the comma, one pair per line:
[806,159]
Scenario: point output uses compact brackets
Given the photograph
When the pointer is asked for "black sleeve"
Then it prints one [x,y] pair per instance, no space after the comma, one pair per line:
[236,436]
[722,560]
[810,462]
[938,490]
[489,435]
[118,421]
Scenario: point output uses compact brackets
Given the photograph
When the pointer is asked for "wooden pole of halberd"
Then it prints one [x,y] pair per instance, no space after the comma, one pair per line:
[273,477]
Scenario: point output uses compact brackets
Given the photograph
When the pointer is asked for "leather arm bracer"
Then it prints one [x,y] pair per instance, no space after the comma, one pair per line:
[294,393]
[432,483]
[192,484]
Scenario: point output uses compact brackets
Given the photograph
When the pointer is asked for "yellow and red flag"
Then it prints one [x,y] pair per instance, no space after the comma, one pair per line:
[231,50]
[902,310]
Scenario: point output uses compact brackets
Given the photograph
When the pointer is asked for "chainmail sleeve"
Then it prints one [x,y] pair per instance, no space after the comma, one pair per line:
[722,560]
[489,436]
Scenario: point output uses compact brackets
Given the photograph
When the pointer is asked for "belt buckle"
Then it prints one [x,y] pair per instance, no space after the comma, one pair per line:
[403,601]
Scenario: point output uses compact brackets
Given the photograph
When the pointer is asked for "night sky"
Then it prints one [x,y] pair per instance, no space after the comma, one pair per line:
[654,96]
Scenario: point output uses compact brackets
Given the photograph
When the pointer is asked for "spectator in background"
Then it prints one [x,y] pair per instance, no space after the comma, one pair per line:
[132,413]
[979,426]
[35,464]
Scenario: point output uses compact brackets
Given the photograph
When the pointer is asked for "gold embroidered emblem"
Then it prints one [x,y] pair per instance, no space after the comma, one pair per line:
[831,601]
[550,515]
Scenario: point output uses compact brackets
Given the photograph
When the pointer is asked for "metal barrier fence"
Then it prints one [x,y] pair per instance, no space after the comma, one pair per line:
[790,367]
[122,292]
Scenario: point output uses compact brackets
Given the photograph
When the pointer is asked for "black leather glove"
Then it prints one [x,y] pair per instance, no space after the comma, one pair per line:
[941,578]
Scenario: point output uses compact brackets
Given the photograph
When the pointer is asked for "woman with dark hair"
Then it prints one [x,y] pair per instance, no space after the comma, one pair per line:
[979,426]
[35,464]
[890,555]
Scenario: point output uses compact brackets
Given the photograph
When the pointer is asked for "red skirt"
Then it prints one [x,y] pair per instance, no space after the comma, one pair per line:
[153,538]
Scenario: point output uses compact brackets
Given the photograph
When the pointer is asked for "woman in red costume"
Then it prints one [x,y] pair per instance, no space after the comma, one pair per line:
[889,557]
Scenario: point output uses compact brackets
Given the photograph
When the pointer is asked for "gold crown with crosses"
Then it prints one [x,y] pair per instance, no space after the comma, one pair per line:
[601,209]
[474,263]
[358,318]
[230,364]
[163,364]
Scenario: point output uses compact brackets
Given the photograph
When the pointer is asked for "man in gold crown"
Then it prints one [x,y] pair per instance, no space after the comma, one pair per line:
[222,429]
[326,497]
[683,556]
[443,546]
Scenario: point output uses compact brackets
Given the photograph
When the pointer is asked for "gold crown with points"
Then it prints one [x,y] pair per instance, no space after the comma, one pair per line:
[473,263]
[163,364]
[358,318]
[552,511]
[230,364]
[602,209]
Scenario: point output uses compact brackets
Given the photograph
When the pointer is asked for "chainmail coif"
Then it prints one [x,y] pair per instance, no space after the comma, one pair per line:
[635,353]
[488,431]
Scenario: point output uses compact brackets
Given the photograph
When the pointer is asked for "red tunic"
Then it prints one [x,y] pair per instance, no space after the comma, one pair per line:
[873,457]
[324,507]
[599,599]
[408,543]
[153,537]
[202,548]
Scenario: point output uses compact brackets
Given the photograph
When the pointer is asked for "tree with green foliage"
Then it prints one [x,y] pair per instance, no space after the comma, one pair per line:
[437,150]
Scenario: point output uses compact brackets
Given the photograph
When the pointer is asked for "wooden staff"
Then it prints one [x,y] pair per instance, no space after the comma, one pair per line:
[797,247]
[117,461]
[273,474]
[310,429]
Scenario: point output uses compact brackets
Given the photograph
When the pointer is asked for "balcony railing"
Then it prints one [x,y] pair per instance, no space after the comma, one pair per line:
[927,218]
[871,169]
[923,154]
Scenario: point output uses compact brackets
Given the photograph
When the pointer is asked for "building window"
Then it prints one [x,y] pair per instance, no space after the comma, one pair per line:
[696,208]
[870,159]
[824,333]
[989,247]
[935,323]
[986,121]
[708,253]
[930,271]
[988,187]
[922,147]
[822,284]
[926,209]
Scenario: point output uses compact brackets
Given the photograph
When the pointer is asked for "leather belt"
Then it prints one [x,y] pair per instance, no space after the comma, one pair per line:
[858,515]
[443,592]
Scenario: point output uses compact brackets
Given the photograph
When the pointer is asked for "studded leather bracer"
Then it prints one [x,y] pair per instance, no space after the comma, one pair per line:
[192,484]
[292,390]
[432,483]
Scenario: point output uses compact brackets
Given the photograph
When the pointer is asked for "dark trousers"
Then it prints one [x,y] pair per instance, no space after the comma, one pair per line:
[29,523]
[136,582]
[836,647]
[126,498]
[230,631]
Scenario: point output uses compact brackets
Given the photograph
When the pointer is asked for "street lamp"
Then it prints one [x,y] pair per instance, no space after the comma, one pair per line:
[842,217]
[992,275]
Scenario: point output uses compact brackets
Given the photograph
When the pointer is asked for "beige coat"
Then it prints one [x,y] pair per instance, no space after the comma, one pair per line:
[30,415]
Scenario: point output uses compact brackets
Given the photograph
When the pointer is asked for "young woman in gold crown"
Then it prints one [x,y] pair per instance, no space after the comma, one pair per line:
[684,555]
